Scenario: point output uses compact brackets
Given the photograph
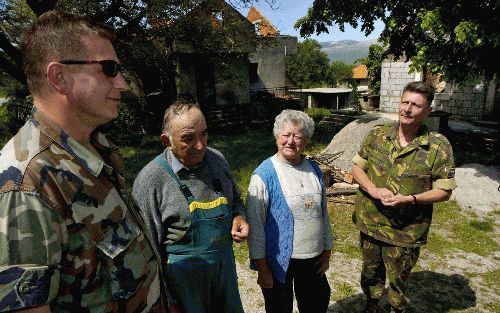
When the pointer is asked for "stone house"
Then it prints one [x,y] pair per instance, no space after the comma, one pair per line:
[360,75]
[267,63]
[210,84]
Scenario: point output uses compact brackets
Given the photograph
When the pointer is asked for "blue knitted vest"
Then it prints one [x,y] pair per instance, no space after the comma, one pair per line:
[279,221]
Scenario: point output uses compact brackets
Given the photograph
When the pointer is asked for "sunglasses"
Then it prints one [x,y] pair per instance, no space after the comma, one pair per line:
[110,68]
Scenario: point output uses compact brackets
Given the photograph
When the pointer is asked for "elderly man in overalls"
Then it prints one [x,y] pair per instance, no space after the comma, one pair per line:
[194,212]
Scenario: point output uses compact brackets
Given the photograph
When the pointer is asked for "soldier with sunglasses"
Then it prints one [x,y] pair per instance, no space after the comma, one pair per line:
[70,236]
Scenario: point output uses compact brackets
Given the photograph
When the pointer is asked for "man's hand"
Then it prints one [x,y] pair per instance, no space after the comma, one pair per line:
[323,262]
[240,228]
[397,201]
[382,194]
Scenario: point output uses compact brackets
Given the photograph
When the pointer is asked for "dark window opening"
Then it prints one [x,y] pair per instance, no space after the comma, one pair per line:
[253,72]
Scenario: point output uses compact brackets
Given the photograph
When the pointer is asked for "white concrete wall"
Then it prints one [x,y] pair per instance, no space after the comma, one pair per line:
[466,102]
[271,62]
[394,78]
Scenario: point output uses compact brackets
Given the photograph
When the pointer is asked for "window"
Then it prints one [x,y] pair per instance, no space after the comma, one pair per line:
[218,16]
[257,24]
[253,73]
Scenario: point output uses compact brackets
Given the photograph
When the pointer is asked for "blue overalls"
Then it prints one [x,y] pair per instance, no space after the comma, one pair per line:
[201,271]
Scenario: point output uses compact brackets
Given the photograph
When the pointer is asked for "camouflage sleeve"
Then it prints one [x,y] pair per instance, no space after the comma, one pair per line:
[31,237]
[443,170]
[361,159]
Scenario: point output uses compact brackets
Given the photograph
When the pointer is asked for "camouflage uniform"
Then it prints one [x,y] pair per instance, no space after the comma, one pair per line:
[67,235]
[391,237]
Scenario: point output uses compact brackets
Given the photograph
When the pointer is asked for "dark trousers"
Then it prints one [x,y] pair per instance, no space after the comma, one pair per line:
[311,290]
[381,261]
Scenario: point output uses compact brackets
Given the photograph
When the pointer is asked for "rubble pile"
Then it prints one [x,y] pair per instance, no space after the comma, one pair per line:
[337,180]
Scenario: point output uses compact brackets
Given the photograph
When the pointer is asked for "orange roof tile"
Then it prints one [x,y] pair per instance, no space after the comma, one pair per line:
[360,72]
[266,27]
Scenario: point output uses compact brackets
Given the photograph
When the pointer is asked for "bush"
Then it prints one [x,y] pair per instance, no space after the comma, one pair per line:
[265,106]
[4,131]
[128,128]
[317,114]
[17,112]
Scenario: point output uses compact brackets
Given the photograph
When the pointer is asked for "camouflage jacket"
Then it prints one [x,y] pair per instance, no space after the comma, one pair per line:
[425,163]
[67,235]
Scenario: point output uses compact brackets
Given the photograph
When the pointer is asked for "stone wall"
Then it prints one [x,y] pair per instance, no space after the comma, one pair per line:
[467,102]
[235,90]
[394,78]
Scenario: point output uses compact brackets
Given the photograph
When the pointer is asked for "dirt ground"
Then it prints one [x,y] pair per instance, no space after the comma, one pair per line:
[455,283]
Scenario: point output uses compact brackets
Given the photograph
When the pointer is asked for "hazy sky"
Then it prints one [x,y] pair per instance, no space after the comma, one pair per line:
[287,12]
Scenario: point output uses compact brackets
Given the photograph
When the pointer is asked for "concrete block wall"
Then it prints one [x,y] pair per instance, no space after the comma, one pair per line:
[394,78]
[465,102]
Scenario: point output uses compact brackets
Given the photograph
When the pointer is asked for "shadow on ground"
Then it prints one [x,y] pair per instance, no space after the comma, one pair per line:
[429,292]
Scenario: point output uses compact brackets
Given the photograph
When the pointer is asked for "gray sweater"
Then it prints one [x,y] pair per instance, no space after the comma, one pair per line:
[164,207]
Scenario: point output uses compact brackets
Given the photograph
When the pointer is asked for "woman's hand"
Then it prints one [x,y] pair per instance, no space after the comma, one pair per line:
[323,262]
[265,275]
[265,278]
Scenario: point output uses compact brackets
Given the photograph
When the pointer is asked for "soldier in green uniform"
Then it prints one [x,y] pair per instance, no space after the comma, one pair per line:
[70,240]
[402,169]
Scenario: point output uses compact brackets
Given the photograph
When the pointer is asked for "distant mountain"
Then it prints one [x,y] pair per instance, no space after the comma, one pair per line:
[347,50]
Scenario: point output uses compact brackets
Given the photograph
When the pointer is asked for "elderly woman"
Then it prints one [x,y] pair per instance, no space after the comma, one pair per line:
[290,234]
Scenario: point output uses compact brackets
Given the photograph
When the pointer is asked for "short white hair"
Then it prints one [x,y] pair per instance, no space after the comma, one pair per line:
[295,117]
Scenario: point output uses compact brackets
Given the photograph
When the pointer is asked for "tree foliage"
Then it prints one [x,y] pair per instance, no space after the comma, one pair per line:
[340,73]
[373,64]
[147,32]
[309,66]
[458,38]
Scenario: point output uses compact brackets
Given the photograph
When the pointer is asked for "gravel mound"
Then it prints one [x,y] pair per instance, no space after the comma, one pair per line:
[477,187]
[349,139]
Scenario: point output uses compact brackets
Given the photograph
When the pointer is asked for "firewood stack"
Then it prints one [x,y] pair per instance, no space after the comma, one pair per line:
[337,180]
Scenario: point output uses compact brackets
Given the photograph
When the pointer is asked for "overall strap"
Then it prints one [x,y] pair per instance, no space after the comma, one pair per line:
[184,189]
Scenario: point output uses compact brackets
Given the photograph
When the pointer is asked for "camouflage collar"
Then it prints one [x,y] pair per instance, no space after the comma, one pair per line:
[422,138]
[86,158]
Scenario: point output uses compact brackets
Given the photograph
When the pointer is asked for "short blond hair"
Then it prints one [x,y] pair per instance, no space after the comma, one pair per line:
[54,36]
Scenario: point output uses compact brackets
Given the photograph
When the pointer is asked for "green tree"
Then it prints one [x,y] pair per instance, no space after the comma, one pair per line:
[340,73]
[308,67]
[373,64]
[458,38]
